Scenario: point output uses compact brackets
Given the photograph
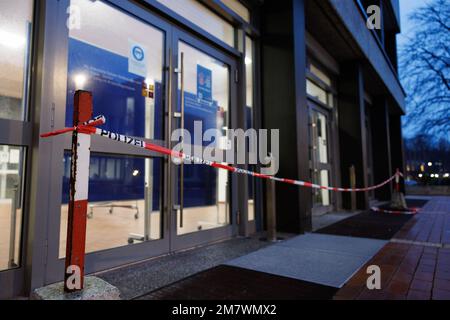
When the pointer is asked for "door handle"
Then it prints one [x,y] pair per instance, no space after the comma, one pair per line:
[182,138]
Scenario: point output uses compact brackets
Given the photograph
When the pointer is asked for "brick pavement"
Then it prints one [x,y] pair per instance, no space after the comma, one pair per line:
[415,265]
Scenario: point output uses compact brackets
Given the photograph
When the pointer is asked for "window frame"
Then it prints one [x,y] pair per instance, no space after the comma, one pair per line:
[21,133]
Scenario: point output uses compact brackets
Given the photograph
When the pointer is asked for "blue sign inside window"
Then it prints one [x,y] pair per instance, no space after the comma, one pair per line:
[204,83]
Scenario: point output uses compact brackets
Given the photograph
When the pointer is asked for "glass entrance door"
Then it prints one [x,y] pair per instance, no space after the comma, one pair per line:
[203,103]
[140,204]
[124,69]
[320,164]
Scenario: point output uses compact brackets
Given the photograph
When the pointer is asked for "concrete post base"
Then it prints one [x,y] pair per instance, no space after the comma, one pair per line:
[94,289]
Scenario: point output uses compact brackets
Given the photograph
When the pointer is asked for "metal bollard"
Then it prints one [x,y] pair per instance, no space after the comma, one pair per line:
[353,186]
[271,206]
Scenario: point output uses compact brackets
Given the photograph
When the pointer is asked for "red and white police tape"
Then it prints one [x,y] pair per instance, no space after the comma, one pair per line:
[90,128]
[411,211]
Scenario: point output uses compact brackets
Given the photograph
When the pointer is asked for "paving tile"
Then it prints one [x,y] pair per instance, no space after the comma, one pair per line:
[418,295]
[407,269]
[402,277]
[429,256]
[349,292]
[372,295]
[421,285]
[428,262]
[442,274]
[397,287]
[441,284]
[430,250]
[441,294]
[426,276]
[391,296]
[425,268]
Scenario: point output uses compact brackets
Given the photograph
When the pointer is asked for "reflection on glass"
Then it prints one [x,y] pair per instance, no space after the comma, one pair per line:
[320,196]
[11,173]
[206,99]
[124,201]
[315,91]
[322,143]
[320,74]
[15,37]
[121,66]
[238,8]
[195,12]
[319,156]
[249,72]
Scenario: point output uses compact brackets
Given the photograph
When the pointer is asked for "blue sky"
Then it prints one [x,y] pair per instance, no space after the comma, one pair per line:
[406,8]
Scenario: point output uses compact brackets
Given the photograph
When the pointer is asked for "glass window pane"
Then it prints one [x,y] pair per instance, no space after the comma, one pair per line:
[121,66]
[15,38]
[124,201]
[11,174]
[249,70]
[206,101]
[324,182]
[239,8]
[198,14]
[320,74]
[315,91]
[322,135]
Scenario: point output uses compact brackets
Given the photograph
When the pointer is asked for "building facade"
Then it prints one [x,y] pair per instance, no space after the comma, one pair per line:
[310,68]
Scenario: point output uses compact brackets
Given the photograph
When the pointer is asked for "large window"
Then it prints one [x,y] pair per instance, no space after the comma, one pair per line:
[11,173]
[121,61]
[319,85]
[15,47]
[15,38]
[124,201]
[121,66]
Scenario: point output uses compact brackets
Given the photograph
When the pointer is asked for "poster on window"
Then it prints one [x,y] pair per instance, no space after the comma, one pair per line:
[204,83]
[137,60]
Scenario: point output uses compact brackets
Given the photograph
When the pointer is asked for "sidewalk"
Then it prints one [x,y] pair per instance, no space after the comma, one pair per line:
[415,264]
[414,257]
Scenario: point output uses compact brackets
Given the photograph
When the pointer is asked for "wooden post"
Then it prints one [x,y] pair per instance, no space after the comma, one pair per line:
[78,201]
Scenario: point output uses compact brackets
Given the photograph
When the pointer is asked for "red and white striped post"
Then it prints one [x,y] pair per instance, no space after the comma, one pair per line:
[397,180]
[78,201]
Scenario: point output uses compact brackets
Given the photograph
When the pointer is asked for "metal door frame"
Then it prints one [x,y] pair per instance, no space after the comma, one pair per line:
[179,242]
[109,258]
[54,103]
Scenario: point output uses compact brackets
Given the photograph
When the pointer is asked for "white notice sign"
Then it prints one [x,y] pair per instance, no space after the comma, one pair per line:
[137,58]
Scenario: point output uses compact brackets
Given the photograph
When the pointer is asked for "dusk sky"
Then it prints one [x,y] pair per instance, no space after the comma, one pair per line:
[406,8]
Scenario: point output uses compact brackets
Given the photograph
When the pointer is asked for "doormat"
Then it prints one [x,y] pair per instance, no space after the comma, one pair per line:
[323,259]
[368,224]
[233,283]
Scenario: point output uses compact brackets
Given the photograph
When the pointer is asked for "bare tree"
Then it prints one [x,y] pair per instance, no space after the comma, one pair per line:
[425,69]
